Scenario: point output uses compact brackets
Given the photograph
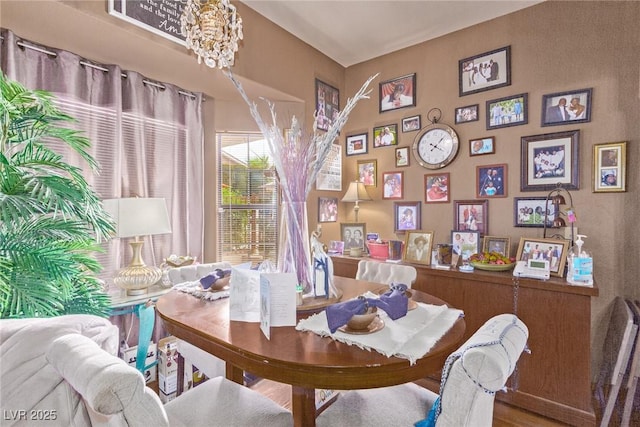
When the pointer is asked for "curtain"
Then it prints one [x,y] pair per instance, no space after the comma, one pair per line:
[147,136]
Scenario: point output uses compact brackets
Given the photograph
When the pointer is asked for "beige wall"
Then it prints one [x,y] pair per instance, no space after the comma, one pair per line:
[556,46]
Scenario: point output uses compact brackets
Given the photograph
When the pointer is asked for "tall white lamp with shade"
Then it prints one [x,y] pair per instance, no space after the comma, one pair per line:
[138,217]
[357,192]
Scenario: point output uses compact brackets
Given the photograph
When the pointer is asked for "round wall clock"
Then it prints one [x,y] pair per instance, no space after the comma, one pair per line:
[436,145]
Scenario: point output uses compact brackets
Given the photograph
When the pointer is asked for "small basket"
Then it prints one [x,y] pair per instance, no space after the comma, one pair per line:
[378,250]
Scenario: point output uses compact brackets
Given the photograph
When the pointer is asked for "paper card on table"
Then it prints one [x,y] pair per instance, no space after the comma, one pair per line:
[281,289]
[244,295]
[265,307]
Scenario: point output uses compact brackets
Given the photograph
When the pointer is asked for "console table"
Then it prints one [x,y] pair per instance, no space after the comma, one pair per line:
[555,379]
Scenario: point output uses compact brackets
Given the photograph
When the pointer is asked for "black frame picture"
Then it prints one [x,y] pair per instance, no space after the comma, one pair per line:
[530,212]
[508,111]
[351,228]
[327,104]
[357,144]
[407,216]
[548,160]
[566,108]
[385,136]
[467,114]
[397,93]
[471,215]
[486,71]
[491,181]
[327,209]
[411,124]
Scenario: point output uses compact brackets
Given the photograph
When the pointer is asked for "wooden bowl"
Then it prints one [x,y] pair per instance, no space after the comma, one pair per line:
[361,322]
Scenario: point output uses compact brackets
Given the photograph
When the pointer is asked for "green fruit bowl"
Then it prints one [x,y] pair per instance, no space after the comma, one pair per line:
[492,267]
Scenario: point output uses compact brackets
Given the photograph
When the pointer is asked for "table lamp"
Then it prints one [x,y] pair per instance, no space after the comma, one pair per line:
[555,198]
[356,192]
[136,217]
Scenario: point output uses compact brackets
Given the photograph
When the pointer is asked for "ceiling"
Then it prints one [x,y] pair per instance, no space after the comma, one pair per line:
[353,31]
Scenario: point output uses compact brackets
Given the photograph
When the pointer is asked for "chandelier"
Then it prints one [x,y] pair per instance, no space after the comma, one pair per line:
[213,29]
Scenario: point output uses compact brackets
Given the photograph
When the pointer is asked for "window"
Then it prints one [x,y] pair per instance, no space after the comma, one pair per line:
[247,199]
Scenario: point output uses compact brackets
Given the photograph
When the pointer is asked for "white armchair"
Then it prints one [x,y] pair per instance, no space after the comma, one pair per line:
[471,377]
[385,272]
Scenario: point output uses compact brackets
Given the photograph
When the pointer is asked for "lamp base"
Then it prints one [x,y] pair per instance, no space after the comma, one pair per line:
[138,276]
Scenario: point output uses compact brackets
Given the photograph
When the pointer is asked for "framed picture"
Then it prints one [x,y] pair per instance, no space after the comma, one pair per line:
[553,250]
[384,136]
[357,144]
[367,171]
[609,167]
[436,188]
[471,215]
[548,160]
[327,104]
[417,247]
[467,114]
[465,243]
[481,146]
[327,209]
[398,93]
[402,157]
[491,180]
[406,216]
[500,245]
[566,107]
[409,124]
[352,234]
[336,247]
[489,70]
[508,111]
[392,185]
[530,212]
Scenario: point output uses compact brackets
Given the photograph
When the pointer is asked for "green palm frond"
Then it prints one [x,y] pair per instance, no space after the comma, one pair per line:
[51,219]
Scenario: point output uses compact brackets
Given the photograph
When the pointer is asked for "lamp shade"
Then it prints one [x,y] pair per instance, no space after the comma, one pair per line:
[356,192]
[139,216]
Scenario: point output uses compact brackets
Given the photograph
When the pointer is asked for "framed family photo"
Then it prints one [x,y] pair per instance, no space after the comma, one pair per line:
[352,234]
[406,216]
[508,111]
[489,70]
[566,107]
[609,167]
[327,209]
[531,212]
[327,104]
[399,92]
[491,180]
[417,247]
[500,245]
[409,124]
[402,157]
[465,243]
[357,144]
[471,215]
[436,188]
[393,185]
[385,136]
[553,250]
[486,145]
[548,160]
[367,171]
[467,114]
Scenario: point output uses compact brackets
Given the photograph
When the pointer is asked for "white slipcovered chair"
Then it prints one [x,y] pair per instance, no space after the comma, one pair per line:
[65,368]
[471,377]
[386,272]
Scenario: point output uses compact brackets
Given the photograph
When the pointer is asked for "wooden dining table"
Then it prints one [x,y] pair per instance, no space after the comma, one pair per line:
[304,360]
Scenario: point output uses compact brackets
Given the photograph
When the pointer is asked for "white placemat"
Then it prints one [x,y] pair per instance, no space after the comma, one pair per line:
[409,337]
[194,288]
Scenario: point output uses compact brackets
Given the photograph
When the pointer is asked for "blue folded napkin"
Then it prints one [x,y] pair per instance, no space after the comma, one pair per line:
[211,278]
[394,302]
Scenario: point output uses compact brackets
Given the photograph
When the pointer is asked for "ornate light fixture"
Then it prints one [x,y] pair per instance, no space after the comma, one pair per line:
[555,198]
[213,30]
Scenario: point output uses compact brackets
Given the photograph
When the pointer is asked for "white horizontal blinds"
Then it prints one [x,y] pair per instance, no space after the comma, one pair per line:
[159,149]
[247,199]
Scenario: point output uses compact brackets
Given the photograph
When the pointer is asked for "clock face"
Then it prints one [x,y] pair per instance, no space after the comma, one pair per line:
[436,146]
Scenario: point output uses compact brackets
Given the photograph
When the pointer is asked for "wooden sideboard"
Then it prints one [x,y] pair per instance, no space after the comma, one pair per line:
[555,379]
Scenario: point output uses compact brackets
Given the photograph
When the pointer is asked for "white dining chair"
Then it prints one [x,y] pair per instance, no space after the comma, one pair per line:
[471,377]
[386,273]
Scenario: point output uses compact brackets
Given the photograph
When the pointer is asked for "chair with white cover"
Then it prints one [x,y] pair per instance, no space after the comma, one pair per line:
[386,272]
[470,379]
[66,372]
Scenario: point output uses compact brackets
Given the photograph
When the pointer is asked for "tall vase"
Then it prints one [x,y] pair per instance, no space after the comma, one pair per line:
[294,250]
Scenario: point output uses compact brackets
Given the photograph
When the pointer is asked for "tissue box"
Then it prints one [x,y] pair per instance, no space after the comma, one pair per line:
[378,250]
[129,355]
[168,367]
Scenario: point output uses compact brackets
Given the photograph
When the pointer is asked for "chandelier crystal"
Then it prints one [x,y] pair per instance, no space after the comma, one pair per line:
[213,30]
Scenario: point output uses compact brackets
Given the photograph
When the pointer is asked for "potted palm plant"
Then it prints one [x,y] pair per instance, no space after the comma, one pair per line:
[51,220]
